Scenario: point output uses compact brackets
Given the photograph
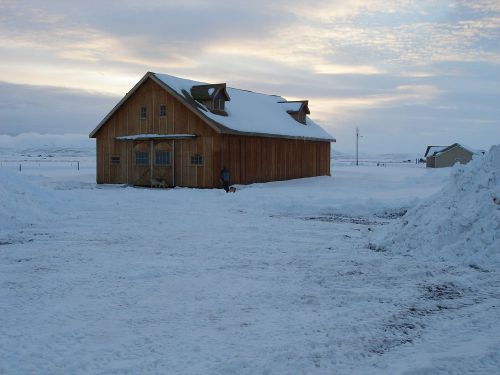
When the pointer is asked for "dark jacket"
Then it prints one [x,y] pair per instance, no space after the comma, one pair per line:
[224,175]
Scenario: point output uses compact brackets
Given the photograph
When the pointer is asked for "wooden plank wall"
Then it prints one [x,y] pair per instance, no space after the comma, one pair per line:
[178,120]
[259,159]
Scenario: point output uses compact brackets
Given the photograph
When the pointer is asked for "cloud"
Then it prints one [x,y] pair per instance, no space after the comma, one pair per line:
[328,68]
[338,37]
[348,106]
[364,63]
[45,109]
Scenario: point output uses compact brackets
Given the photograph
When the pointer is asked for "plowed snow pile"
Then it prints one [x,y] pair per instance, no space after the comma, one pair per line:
[461,222]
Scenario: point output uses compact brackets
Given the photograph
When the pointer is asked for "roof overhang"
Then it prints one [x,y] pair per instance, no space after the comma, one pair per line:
[453,146]
[429,148]
[152,137]
[269,135]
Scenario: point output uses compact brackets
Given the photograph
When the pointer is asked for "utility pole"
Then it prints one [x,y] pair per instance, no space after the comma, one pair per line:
[357,141]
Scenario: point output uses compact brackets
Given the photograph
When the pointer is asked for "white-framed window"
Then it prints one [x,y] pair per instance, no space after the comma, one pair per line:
[144,112]
[163,110]
[115,160]
[162,158]
[141,158]
[196,159]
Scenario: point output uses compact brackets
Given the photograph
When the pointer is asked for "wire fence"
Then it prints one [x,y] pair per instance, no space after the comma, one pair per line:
[379,162]
[20,164]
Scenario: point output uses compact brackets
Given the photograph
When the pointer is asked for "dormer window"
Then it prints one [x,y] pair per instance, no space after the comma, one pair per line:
[301,117]
[213,97]
[219,104]
[298,109]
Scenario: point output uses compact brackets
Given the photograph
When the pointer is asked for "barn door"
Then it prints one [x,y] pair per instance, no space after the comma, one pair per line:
[141,161]
[162,164]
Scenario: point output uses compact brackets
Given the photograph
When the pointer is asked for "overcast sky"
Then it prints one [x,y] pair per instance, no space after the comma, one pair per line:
[407,73]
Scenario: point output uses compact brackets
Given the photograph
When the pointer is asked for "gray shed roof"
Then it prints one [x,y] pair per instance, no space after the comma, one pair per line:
[431,150]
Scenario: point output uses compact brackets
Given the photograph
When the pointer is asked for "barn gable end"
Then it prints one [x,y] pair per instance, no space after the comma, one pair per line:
[178,119]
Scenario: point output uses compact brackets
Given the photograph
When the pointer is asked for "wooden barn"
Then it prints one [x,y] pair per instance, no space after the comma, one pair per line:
[169,131]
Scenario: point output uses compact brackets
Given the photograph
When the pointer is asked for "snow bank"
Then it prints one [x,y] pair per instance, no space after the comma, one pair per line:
[21,203]
[461,221]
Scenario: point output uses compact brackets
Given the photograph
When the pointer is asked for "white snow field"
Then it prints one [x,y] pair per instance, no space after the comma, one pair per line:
[310,276]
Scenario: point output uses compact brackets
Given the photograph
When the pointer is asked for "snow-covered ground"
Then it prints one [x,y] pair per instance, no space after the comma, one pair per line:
[292,277]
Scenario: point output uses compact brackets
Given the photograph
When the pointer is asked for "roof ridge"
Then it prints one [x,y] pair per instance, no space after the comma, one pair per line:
[200,83]
[254,92]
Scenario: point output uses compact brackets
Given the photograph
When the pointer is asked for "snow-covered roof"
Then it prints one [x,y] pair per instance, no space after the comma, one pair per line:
[438,150]
[291,106]
[431,150]
[250,112]
[471,149]
[139,137]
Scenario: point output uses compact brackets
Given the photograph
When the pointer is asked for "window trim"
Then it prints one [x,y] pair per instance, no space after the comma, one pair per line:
[196,157]
[142,164]
[219,104]
[164,112]
[169,158]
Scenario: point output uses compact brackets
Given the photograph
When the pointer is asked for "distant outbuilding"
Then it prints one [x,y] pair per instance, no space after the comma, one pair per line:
[447,156]
[169,131]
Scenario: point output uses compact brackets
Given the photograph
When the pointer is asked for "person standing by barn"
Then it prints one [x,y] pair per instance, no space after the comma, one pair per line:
[224,177]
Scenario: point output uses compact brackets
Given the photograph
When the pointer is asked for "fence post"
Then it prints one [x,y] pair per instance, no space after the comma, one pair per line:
[19,167]
[78,165]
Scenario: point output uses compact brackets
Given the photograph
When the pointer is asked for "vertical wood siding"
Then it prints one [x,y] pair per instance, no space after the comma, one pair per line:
[258,159]
[249,158]
[178,120]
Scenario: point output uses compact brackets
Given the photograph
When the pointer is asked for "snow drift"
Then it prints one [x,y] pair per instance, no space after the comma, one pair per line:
[21,203]
[460,222]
